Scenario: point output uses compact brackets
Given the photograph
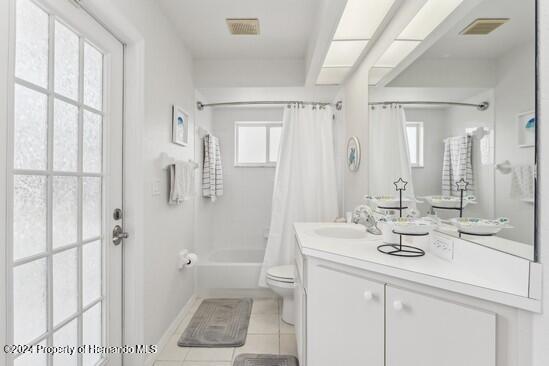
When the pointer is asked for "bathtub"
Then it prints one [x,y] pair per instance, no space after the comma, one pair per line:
[236,268]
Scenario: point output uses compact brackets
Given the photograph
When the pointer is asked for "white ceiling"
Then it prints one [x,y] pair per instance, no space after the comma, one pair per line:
[285,27]
[519,29]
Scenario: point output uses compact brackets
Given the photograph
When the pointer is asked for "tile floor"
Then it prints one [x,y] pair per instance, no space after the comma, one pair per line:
[267,333]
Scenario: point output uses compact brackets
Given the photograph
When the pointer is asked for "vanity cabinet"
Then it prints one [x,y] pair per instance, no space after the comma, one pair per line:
[345,319]
[426,331]
[350,319]
[300,303]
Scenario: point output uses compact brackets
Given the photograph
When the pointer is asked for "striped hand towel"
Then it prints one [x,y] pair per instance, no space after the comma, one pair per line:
[212,175]
[457,164]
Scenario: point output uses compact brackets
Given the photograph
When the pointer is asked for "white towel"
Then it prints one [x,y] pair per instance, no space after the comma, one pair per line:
[212,175]
[457,165]
[182,187]
[522,181]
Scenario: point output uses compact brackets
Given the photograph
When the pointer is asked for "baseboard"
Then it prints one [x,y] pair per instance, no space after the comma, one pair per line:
[163,341]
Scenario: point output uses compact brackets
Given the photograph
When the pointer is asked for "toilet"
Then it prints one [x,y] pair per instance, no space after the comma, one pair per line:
[281,279]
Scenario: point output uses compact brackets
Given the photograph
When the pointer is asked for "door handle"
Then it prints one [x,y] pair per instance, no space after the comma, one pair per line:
[118,235]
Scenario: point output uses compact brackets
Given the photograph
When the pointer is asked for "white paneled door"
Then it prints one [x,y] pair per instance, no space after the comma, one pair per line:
[64,182]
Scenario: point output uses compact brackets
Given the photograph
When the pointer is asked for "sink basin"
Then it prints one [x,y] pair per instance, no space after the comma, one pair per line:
[340,233]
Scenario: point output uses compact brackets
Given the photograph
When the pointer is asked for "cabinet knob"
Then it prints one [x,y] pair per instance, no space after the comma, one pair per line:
[368,295]
[398,305]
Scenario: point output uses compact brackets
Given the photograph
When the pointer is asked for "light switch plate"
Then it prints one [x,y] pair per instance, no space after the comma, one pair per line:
[442,247]
[156,188]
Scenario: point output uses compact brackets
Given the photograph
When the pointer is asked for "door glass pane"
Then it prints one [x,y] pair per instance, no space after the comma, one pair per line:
[31,43]
[91,273]
[66,336]
[65,289]
[65,136]
[91,148]
[66,61]
[32,359]
[91,213]
[274,142]
[31,129]
[252,144]
[92,333]
[65,210]
[29,301]
[58,138]
[93,77]
[29,215]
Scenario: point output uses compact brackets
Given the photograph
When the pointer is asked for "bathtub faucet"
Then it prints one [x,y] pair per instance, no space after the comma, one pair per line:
[364,215]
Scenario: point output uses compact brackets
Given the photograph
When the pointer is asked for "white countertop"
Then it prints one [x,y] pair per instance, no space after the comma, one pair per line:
[476,270]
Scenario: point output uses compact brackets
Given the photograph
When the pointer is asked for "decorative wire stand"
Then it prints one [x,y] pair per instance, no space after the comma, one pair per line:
[401,250]
[462,185]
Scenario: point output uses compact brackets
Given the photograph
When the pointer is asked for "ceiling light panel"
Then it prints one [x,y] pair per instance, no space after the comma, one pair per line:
[377,73]
[428,18]
[344,53]
[397,51]
[332,75]
[361,18]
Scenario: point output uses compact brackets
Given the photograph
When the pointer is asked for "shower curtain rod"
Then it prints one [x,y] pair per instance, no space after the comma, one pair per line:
[200,106]
[481,107]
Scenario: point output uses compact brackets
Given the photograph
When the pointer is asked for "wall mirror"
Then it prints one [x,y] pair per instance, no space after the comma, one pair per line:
[483,52]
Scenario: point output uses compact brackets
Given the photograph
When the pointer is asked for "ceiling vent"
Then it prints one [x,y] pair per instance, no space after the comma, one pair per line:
[243,26]
[483,26]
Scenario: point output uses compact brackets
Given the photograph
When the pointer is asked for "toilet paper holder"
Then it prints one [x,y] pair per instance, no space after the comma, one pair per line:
[186,259]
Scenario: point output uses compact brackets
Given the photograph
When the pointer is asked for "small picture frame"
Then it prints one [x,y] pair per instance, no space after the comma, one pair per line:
[526,129]
[180,126]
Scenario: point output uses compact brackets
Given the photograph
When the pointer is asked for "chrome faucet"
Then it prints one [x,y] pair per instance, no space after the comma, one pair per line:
[364,215]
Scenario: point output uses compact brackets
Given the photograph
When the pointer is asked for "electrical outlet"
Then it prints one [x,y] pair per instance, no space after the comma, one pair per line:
[442,248]
[156,188]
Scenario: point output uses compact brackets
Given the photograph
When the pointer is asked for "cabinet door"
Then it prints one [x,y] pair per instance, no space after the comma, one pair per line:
[345,319]
[426,331]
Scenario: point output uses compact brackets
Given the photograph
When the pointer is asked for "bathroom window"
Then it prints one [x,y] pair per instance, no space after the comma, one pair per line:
[256,143]
[414,131]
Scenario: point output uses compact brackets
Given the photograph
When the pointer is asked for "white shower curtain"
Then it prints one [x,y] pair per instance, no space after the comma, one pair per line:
[389,155]
[305,181]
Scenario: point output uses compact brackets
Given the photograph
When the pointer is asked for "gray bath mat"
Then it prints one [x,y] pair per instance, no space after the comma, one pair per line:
[248,359]
[218,323]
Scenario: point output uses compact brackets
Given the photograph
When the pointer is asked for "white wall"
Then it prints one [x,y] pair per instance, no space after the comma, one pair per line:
[458,119]
[356,111]
[433,72]
[514,94]
[242,215]
[204,208]
[427,179]
[340,151]
[167,229]
[249,73]
[240,94]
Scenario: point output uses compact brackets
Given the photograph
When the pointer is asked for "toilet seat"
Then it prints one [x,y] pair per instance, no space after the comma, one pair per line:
[284,273]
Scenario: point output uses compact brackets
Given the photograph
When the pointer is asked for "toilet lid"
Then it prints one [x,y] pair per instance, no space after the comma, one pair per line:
[285,273]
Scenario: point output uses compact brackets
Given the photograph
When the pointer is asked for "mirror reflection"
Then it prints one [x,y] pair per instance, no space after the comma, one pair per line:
[457,120]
